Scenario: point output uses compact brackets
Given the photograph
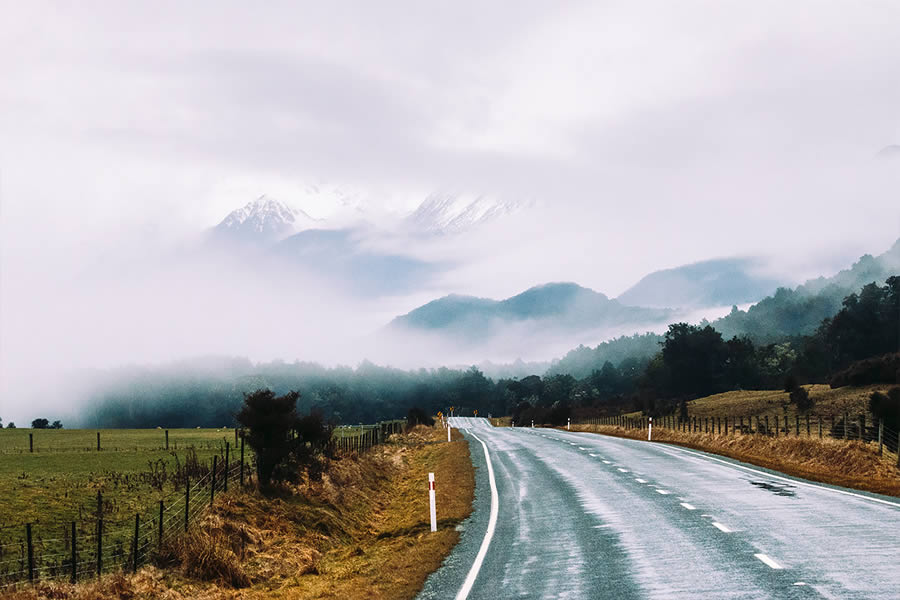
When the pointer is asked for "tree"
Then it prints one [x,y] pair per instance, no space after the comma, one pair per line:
[269,420]
[696,359]
[56,425]
[40,424]
[10,425]
[886,408]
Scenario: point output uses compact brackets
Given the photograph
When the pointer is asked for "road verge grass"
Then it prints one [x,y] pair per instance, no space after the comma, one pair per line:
[361,532]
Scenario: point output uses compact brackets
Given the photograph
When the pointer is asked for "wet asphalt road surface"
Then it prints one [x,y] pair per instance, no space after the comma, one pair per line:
[580,515]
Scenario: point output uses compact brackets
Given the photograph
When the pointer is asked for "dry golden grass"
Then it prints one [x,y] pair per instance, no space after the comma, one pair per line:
[849,464]
[834,402]
[360,532]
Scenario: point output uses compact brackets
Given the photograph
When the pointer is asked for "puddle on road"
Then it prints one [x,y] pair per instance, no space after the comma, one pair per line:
[777,488]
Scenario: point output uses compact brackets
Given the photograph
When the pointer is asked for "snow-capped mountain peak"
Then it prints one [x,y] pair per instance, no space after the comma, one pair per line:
[265,218]
[443,212]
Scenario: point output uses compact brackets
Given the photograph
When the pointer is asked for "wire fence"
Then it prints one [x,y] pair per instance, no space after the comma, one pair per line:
[839,427]
[92,546]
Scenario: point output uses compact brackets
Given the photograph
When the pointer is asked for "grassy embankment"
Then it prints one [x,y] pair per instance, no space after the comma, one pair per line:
[59,481]
[360,532]
[839,462]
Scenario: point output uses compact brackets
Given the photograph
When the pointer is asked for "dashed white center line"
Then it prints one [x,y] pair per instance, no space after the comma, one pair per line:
[721,528]
[639,480]
[623,470]
[663,492]
[580,448]
[606,462]
[688,506]
[768,561]
[595,455]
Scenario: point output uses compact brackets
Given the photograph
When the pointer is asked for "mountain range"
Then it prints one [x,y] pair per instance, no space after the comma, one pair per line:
[561,307]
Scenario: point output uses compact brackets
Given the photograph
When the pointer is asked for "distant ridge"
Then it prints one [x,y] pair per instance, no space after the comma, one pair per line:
[562,306]
[717,282]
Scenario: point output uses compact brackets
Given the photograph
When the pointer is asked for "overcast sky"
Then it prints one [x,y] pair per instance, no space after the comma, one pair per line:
[652,133]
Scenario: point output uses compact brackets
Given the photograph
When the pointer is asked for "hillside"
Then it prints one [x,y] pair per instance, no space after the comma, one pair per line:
[800,311]
[718,282]
[560,306]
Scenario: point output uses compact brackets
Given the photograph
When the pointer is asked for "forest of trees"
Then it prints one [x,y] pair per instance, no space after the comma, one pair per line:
[642,372]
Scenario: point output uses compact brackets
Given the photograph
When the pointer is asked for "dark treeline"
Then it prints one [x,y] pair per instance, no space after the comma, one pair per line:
[697,360]
[642,372]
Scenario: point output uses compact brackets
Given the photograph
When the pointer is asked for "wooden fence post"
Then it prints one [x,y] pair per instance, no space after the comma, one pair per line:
[98,441]
[74,556]
[819,421]
[797,419]
[807,425]
[880,437]
[30,552]
[767,425]
[846,422]
[159,540]
[862,427]
[187,500]
[167,439]
[31,442]
[134,546]
[777,426]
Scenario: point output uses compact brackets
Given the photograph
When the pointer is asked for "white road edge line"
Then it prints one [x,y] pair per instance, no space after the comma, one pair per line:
[639,480]
[772,475]
[721,527]
[663,492]
[771,563]
[688,506]
[492,525]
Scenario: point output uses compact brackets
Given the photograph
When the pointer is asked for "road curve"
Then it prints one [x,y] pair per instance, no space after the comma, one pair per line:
[581,515]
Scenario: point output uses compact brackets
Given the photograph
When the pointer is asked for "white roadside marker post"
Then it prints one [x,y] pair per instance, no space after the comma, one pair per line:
[431,501]
[650,430]
[448,431]
[568,423]
[532,423]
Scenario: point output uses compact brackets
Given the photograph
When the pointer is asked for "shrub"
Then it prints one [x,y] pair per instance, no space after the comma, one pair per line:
[269,420]
[879,369]
[800,396]
[886,408]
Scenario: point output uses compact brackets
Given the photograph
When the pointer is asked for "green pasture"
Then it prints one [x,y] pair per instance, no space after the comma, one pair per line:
[59,481]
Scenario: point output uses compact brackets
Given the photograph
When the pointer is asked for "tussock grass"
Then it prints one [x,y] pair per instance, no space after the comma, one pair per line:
[362,532]
[854,400]
[849,464]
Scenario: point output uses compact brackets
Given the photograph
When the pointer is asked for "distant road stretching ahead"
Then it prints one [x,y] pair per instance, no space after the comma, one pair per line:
[580,515]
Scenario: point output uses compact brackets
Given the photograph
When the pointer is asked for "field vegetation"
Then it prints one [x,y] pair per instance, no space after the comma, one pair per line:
[359,531]
[59,481]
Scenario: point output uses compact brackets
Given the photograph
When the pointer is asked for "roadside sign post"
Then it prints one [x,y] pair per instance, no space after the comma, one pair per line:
[431,501]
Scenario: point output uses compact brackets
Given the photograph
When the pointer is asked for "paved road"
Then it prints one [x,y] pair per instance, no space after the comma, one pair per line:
[580,515]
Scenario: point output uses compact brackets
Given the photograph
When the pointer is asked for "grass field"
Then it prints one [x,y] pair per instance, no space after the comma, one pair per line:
[360,533]
[59,481]
[743,403]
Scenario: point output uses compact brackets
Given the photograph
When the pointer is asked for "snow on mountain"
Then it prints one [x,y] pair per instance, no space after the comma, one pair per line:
[264,219]
[443,212]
